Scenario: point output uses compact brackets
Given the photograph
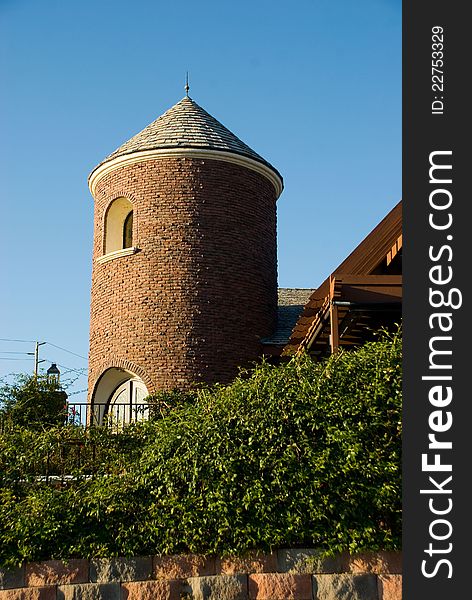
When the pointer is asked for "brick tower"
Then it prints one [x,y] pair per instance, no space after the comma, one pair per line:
[184,281]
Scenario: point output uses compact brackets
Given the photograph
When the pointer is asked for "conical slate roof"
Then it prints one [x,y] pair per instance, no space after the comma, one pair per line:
[187,125]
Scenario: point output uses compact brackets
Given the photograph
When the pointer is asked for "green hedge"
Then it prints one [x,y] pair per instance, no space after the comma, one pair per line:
[301,454]
[33,402]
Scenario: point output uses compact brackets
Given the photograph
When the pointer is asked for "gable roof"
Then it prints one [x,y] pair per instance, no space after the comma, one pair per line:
[363,260]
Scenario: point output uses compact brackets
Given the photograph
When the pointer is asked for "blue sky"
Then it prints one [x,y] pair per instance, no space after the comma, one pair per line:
[313,86]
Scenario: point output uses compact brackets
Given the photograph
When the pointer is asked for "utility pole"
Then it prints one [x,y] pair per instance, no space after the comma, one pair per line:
[36,357]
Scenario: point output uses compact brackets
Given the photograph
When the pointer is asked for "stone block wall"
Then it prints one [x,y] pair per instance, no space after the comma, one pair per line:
[287,574]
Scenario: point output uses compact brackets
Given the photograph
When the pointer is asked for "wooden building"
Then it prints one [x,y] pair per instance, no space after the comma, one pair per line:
[362,295]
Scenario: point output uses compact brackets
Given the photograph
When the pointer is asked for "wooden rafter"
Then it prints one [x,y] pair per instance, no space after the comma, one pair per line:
[395,249]
[350,308]
[382,244]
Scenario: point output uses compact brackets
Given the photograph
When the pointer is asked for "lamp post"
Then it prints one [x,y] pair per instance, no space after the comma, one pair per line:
[53,374]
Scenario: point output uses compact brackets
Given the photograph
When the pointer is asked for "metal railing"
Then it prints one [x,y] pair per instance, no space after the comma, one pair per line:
[75,454]
[71,460]
[82,414]
[115,415]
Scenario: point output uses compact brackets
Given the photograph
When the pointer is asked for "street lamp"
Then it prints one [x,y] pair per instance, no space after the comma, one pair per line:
[53,374]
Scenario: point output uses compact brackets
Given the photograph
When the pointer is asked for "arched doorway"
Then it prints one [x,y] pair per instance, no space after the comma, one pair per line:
[126,404]
[119,398]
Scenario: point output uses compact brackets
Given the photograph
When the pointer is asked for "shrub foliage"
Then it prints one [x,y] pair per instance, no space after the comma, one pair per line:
[307,453]
[33,402]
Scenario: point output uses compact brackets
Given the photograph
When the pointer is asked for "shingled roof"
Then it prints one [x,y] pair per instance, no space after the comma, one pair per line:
[291,302]
[187,125]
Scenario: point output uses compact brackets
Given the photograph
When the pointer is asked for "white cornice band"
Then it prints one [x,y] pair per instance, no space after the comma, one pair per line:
[143,155]
[116,254]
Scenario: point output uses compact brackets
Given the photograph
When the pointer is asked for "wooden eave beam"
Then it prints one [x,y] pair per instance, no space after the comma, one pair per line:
[395,249]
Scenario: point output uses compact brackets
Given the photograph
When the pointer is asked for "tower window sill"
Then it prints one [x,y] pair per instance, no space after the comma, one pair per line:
[117,254]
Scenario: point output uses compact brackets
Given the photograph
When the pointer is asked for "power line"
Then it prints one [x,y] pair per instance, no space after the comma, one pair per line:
[65,350]
[77,392]
[79,371]
[69,370]
[22,341]
[50,343]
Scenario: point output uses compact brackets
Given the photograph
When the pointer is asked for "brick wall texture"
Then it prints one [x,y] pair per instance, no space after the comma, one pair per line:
[285,574]
[192,304]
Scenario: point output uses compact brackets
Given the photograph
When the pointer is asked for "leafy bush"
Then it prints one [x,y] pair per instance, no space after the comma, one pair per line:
[162,402]
[34,402]
[305,453]
[59,454]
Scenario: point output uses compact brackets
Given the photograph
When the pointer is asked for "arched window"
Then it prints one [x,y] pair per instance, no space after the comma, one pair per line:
[128,231]
[118,232]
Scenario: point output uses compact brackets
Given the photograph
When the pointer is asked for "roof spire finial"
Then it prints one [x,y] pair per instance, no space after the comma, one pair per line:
[187,87]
